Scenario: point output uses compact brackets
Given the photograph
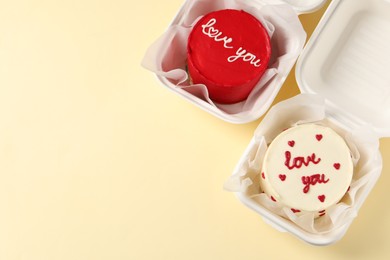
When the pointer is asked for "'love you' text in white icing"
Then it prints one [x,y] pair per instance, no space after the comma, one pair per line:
[246,56]
[241,53]
[211,32]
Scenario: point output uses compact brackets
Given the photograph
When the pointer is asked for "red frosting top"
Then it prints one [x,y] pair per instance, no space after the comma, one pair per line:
[228,51]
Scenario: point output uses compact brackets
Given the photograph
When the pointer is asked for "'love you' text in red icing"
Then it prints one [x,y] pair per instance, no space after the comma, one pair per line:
[297,162]
[313,180]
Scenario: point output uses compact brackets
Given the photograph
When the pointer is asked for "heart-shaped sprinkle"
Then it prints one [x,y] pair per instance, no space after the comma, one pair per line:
[321,198]
[282,177]
[273,199]
[295,210]
[319,137]
[262,175]
[291,143]
[336,166]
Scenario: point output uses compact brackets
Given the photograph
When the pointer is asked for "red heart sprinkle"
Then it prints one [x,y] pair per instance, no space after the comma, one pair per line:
[321,198]
[336,166]
[295,210]
[282,177]
[291,143]
[273,199]
[262,175]
[319,137]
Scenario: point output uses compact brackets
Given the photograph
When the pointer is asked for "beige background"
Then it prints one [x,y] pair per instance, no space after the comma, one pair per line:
[98,161]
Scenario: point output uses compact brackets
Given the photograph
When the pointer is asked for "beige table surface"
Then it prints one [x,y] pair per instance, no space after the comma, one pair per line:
[98,161]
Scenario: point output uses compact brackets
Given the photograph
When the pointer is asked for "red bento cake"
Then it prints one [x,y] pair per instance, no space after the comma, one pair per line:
[228,52]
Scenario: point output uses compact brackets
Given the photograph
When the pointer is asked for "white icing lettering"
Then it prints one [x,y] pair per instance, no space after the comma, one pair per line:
[246,56]
[209,30]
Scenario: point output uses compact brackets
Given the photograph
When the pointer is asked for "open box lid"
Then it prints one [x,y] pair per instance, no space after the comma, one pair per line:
[347,61]
[302,6]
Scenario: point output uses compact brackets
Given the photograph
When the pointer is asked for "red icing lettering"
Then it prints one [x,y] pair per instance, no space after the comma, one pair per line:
[297,162]
[313,180]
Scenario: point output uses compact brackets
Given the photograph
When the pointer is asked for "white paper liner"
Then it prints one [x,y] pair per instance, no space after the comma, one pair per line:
[167,56]
[307,108]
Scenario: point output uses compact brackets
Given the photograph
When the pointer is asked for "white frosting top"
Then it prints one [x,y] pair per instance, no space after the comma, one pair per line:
[307,167]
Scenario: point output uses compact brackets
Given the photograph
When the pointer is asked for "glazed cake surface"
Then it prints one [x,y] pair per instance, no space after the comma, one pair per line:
[228,51]
[307,168]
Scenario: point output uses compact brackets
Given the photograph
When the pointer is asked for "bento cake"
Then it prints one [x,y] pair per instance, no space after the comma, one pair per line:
[228,51]
[307,168]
